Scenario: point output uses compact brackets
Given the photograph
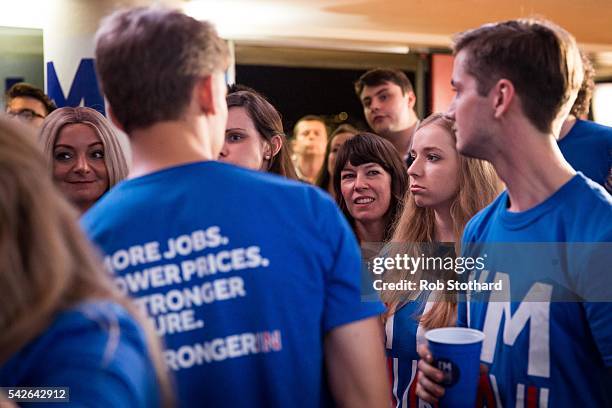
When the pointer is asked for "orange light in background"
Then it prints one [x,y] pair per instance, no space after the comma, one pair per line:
[441,73]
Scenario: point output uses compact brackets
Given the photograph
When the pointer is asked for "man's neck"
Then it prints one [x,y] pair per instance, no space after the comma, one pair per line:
[402,140]
[167,144]
[533,168]
[309,166]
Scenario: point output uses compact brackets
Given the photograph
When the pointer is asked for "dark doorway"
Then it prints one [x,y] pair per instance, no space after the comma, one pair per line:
[297,92]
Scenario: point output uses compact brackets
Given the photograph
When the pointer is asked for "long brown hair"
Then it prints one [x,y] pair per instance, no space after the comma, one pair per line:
[268,123]
[370,148]
[478,186]
[47,263]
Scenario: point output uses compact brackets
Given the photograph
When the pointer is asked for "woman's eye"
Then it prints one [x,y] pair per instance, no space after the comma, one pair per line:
[97,154]
[234,137]
[383,97]
[433,157]
[347,176]
[373,173]
[62,156]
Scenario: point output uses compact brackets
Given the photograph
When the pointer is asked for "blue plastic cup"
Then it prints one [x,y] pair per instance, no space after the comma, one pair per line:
[456,351]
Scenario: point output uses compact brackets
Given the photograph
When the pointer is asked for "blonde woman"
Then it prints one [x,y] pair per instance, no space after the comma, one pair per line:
[446,190]
[84,154]
[62,324]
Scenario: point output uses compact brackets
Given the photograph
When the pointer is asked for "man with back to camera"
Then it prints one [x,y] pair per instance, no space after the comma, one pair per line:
[28,103]
[515,83]
[388,99]
[587,145]
[251,279]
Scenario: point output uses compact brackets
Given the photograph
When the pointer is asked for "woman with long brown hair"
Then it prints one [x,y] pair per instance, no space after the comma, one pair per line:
[62,323]
[254,136]
[370,182]
[446,190]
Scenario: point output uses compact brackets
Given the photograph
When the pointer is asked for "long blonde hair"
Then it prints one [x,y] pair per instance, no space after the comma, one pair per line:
[114,156]
[46,261]
[478,186]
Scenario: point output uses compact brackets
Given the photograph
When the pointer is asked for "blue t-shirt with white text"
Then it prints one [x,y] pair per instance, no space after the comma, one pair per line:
[552,351]
[243,273]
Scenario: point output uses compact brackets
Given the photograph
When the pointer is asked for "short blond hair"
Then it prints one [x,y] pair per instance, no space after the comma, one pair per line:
[148,61]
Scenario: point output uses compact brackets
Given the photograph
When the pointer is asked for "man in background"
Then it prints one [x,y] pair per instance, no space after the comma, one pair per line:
[388,100]
[28,103]
[309,144]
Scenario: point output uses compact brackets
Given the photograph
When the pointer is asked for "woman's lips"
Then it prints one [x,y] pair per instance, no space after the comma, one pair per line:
[80,181]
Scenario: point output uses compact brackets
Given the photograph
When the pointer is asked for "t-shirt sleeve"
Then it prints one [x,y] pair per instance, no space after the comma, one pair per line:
[101,366]
[343,298]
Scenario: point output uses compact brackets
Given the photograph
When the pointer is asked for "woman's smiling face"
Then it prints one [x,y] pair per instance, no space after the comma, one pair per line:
[366,190]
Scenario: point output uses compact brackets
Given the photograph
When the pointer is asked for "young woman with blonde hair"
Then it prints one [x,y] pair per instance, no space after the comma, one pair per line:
[84,154]
[62,323]
[446,190]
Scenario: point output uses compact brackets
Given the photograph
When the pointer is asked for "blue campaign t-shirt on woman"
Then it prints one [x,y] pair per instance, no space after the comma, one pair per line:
[96,350]
[553,351]
[403,335]
[243,273]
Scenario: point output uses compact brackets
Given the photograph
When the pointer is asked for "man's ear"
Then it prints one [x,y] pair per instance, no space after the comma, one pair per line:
[113,118]
[204,94]
[411,99]
[503,95]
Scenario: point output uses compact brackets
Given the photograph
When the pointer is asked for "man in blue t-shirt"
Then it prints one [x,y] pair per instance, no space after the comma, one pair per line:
[252,280]
[587,145]
[515,82]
